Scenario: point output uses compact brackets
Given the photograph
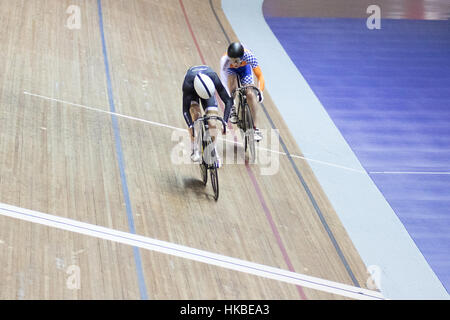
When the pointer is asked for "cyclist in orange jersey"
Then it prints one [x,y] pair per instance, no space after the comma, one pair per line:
[239,61]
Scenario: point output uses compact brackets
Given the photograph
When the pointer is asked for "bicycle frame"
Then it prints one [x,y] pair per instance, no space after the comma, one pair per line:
[206,139]
[243,99]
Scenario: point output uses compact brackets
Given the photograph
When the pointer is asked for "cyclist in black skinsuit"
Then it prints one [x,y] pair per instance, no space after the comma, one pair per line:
[200,84]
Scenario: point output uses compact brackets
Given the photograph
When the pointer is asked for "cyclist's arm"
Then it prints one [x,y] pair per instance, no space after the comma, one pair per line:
[251,59]
[260,77]
[223,94]
[224,64]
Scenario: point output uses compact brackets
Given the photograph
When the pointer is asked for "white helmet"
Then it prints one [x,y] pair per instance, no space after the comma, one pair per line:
[204,86]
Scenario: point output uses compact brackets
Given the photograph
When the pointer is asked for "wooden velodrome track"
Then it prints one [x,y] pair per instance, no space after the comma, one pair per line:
[60,158]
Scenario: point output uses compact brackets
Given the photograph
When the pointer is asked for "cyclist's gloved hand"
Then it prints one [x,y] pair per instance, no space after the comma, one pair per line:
[261,97]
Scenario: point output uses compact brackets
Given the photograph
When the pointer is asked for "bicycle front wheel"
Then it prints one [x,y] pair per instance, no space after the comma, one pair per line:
[249,142]
[215,181]
[204,173]
[203,167]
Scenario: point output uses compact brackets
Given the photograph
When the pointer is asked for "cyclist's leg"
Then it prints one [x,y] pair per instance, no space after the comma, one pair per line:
[196,113]
[232,82]
[247,79]
[191,112]
[232,85]
[195,110]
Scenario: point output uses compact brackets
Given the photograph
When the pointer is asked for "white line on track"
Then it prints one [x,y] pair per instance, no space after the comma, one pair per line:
[189,253]
[103,111]
[180,129]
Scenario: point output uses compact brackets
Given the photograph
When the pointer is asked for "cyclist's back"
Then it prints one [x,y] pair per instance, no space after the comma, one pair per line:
[190,94]
[192,72]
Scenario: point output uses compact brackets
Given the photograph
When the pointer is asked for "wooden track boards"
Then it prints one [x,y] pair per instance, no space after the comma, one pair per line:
[62,159]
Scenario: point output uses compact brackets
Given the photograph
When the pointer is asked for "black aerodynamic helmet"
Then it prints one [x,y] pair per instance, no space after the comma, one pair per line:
[235,50]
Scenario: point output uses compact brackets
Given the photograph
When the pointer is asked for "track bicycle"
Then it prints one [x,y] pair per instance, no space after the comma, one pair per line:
[208,152]
[245,120]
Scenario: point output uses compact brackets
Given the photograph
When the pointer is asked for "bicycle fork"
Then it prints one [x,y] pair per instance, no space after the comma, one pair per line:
[209,152]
